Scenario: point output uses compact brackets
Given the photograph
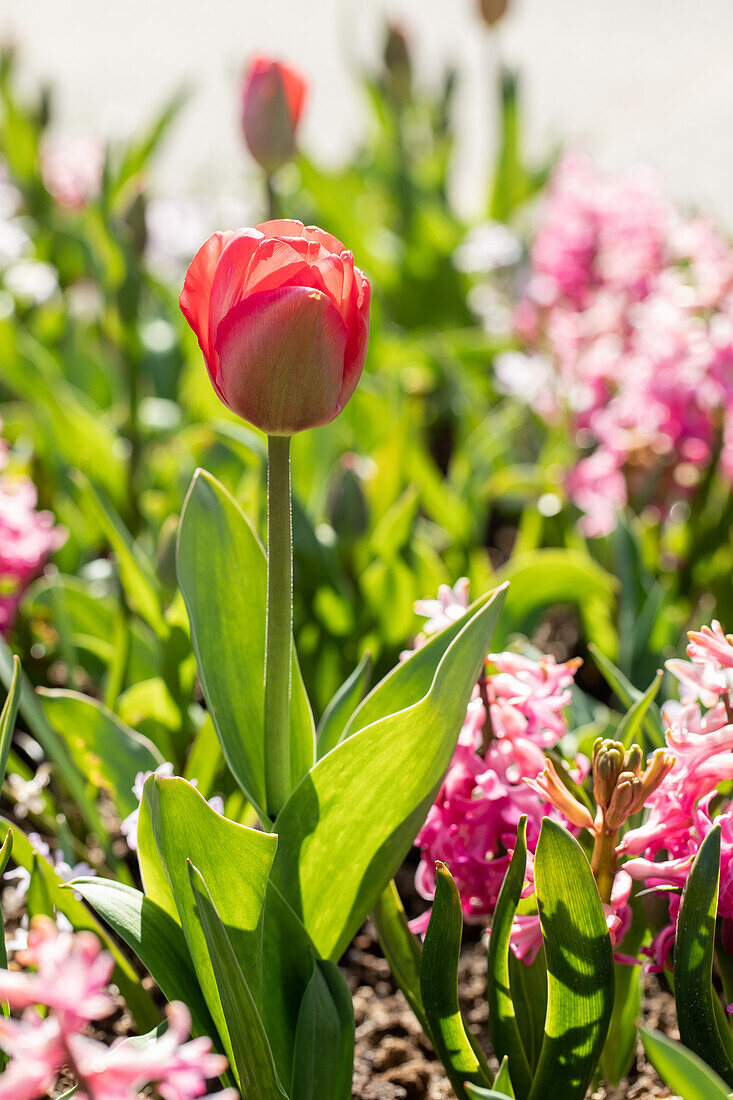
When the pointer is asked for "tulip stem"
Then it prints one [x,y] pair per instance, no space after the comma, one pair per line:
[273,205]
[279,629]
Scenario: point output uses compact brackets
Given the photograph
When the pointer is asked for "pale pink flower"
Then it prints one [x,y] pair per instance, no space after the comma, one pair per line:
[72,169]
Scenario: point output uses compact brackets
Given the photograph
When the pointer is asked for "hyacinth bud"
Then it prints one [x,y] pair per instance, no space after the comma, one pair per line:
[608,763]
[272,103]
[619,785]
[397,65]
[492,11]
[549,785]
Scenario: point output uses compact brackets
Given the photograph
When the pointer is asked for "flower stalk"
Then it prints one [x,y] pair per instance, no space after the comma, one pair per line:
[278,636]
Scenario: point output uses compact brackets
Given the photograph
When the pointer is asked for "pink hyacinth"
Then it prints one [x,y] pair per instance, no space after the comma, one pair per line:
[69,981]
[660,852]
[72,169]
[630,304]
[27,537]
[516,712]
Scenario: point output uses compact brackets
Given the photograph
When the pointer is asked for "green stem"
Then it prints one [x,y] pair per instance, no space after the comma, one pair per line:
[603,863]
[278,634]
[273,205]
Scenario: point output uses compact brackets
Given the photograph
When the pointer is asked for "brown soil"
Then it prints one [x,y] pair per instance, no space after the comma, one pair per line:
[394,1060]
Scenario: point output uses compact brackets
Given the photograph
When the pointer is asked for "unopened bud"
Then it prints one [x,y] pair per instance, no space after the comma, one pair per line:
[348,508]
[397,65]
[608,762]
[492,11]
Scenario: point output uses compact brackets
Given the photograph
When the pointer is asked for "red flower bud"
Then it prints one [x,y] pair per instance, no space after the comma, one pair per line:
[282,317]
[272,103]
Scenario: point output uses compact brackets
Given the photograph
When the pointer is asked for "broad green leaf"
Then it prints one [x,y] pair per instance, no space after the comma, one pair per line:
[137,575]
[401,949]
[138,1000]
[579,966]
[338,712]
[349,824]
[205,758]
[503,1027]
[410,679]
[627,695]
[698,1008]
[681,1070]
[439,988]
[529,992]
[156,939]
[222,571]
[323,1063]
[252,1056]
[632,723]
[619,1049]
[236,862]
[8,718]
[107,751]
[51,743]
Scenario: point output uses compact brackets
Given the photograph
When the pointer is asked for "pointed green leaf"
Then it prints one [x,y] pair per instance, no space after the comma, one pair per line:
[503,1028]
[156,939]
[349,824]
[627,695]
[138,1000]
[323,1064]
[8,718]
[698,1009]
[252,1056]
[503,1080]
[107,751]
[5,853]
[439,987]
[401,949]
[338,712]
[410,679]
[38,900]
[579,966]
[236,862]
[632,723]
[683,1071]
[222,571]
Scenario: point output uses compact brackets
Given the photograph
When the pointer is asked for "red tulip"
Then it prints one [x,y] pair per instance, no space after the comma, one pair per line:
[282,317]
[272,103]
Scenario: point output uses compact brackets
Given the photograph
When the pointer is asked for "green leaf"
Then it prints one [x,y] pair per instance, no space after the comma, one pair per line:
[236,862]
[543,577]
[401,949]
[579,966]
[631,724]
[38,901]
[107,751]
[156,939]
[137,575]
[349,824]
[5,853]
[503,1027]
[698,1008]
[627,695]
[439,987]
[503,1080]
[252,1056]
[619,1049]
[8,718]
[51,743]
[222,571]
[682,1070]
[338,712]
[138,1000]
[529,993]
[323,1064]
[409,680]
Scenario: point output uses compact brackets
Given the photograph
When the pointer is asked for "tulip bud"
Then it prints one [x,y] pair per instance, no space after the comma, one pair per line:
[282,316]
[272,103]
[348,509]
[492,11]
[397,65]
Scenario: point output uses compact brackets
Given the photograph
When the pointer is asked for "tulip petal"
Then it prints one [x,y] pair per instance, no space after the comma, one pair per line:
[289,227]
[194,298]
[228,282]
[281,359]
[276,263]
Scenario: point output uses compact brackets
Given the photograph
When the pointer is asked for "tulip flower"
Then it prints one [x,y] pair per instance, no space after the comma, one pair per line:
[272,103]
[282,316]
